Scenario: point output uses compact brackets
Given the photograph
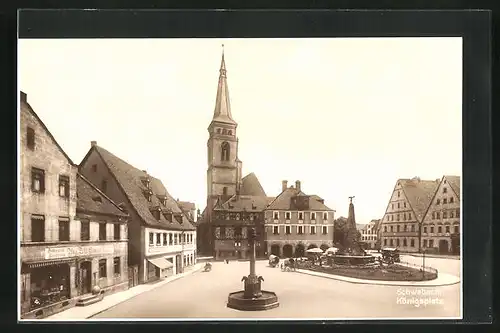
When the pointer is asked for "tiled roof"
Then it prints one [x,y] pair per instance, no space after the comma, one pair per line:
[249,203]
[284,201]
[454,182]
[419,194]
[186,205]
[130,179]
[91,200]
[251,186]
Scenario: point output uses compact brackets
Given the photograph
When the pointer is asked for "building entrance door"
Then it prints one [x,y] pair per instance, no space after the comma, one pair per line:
[85,277]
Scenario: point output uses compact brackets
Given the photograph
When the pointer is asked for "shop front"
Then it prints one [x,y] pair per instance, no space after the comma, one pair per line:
[159,267]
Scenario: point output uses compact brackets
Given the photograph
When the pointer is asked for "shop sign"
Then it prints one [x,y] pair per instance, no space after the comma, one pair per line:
[77,251]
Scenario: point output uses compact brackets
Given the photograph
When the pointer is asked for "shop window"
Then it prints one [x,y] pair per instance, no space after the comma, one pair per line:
[38,228]
[325,230]
[102,268]
[116,231]
[412,242]
[117,265]
[30,136]
[64,230]
[64,186]
[102,231]
[37,180]
[151,238]
[84,230]
[288,230]
[313,230]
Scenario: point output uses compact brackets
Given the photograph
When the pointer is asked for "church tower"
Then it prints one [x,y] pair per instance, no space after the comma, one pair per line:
[224,167]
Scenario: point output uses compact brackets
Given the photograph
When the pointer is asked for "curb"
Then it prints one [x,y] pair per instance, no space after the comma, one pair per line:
[433,256]
[175,277]
[385,283]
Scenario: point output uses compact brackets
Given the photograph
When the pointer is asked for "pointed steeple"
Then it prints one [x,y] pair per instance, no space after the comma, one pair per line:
[222,112]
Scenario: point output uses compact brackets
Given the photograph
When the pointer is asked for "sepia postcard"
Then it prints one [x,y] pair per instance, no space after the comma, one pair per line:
[240,178]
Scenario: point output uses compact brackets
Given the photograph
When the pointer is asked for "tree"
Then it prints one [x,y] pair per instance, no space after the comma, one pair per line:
[340,230]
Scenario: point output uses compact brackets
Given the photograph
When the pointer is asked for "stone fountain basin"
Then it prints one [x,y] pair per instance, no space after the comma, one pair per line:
[267,301]
[353,260]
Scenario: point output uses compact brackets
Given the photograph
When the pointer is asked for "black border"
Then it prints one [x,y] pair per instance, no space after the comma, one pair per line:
[473,26]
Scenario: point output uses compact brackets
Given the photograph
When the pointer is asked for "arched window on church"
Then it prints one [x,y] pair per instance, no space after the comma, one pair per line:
[218,131]
[225,151]
[230,132]
[224,131]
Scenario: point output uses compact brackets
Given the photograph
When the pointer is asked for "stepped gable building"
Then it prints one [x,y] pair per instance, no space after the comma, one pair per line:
[232,200]
[441,225]
[400,226]
[295,222]
[62,221]
[161,238]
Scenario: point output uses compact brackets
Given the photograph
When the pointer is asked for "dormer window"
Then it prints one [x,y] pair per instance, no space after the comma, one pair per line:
[156,212]
[168,216]
[178,217]
[146,182]
[163,199]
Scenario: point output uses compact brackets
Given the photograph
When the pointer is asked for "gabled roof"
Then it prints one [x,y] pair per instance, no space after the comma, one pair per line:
[91,200]
[284,201]
[248,203]
[251,186]
[129,179]
[419,194]
[27,107]
[454,182]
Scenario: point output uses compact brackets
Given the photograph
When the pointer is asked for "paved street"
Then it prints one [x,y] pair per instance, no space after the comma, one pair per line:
[204,295]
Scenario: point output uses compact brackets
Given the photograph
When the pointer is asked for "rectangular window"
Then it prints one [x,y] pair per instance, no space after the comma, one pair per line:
[438,201]
[445,215]
[64,186]
[391,242]
[409,216]
[412,228]
[325,230]
[38,228]
[300,229]
[399,205]
[404,216]
[425,230]
[102,231]
[457,229]
[116,231]
[397,228]
[445,190]
[276,215]
[94,168]
[445,201]
[301,215]
[325,216]
[102,268]
[405,227]
[404,204]
[287,215]
[438,215]
[184,238]
[37,180]
[288,230]
[175,237]
[397,217]
[412,242]
[425,242]
[452,215]
[313,216]
[385,228]
[433,215]
[64,230]
[405,242]
[276,230]
[313,230]
[458,212]
[158,239]
[440,229]
[116,265]
[84,230]
[397,242]
[451,200]
[30,138]
[431,243]
[170,239]
[432,230]
[385,242]
[151,238]
[447,229]
[165,239]
[392,228]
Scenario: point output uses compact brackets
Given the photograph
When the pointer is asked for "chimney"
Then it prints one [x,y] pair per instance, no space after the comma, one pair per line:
[284,185]
[24,97]
[297,185]
[93,143]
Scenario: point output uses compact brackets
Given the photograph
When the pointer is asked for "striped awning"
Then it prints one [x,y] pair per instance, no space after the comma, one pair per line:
[43,263]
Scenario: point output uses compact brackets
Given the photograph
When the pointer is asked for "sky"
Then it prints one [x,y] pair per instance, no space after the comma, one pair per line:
[346,117]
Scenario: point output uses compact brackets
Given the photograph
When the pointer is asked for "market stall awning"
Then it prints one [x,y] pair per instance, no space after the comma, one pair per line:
[161,263]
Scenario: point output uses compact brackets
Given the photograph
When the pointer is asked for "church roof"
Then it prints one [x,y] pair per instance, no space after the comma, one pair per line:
[222,111]
[419,194]
[251,186]
[91,200]
[130,179]
[454,182]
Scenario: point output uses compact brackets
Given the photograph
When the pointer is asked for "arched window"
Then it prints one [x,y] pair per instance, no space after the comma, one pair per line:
[230,132]
[218,131]
[224,131]
[225,151]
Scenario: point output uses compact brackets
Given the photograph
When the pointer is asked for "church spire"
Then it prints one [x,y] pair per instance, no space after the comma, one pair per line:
[222,111]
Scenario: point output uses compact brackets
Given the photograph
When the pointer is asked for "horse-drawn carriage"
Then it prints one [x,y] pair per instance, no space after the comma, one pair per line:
[273,260]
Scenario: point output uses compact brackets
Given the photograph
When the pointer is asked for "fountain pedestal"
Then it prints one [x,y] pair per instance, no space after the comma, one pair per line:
[252,298]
